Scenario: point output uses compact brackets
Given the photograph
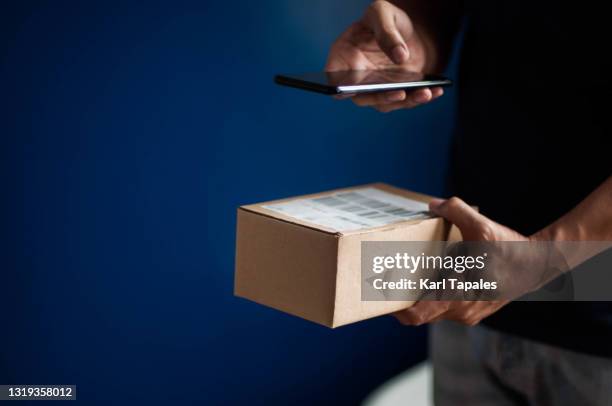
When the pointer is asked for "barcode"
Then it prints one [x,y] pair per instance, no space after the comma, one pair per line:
[329,201]
[352,221]
[363,206]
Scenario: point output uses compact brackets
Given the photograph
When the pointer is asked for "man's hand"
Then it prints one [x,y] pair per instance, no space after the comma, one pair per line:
[474,227]
[384,37]
[590,222]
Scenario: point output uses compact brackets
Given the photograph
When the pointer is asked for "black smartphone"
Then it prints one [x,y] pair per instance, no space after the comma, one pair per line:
[361,81]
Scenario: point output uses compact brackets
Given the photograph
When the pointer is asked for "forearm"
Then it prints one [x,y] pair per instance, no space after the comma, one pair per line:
[591,220]
[436,22]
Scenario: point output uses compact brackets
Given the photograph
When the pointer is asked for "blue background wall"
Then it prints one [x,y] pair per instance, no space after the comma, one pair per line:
[130,132]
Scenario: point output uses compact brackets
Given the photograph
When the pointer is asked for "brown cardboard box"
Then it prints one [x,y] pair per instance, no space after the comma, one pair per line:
[307,263]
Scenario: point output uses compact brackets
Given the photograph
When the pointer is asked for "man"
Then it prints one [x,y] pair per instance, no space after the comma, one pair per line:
[531,149]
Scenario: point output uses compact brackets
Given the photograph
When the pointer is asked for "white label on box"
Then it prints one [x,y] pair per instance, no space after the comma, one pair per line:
[352,209]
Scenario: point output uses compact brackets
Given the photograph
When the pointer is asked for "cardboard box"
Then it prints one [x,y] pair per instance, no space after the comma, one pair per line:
[302,255]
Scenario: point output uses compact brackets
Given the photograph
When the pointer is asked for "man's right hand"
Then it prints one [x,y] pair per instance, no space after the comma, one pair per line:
[384,37]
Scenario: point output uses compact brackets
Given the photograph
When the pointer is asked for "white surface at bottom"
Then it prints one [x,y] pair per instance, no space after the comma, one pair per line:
[413,387]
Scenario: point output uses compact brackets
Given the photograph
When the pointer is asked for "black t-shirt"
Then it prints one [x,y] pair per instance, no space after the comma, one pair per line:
[533,137]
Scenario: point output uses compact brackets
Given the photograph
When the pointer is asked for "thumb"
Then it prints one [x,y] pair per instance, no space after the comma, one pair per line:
[380,19]
[460,214]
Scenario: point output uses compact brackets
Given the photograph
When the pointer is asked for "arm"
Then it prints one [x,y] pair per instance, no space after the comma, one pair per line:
[591,220]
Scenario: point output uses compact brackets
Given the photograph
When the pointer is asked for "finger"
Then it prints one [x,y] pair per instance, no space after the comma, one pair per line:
[343,55]
[342,96]
[335,59]
[480,310]
[459,213]
[344,58]
[422,312]
[372,99]
[472,313]
[421,96]
[334,62]
[380,17]
[463,312]
[453,313]
[436,92]
[413,99]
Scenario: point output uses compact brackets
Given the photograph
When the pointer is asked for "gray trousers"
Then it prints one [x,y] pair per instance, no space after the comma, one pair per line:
[479,366]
